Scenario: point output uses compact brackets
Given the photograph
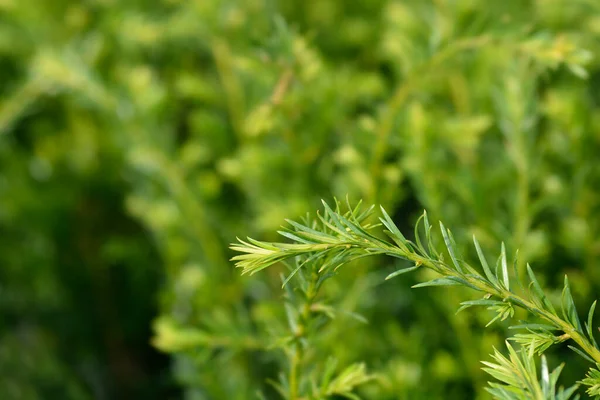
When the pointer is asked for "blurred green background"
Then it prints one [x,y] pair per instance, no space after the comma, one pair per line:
[139,138]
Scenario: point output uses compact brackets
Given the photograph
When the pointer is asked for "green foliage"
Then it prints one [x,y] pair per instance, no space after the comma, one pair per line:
[592,380]
[138,138]
[519,378]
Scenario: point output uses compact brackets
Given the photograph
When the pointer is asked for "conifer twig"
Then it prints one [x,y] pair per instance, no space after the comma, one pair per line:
[337,239]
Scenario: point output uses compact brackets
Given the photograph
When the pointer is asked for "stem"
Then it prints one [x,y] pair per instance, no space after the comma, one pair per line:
[294,375]
[301,333]
[522,220]
[445,270]
[527,305]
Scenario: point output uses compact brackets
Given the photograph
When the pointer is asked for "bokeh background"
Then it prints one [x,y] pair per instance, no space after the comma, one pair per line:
[138,138]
